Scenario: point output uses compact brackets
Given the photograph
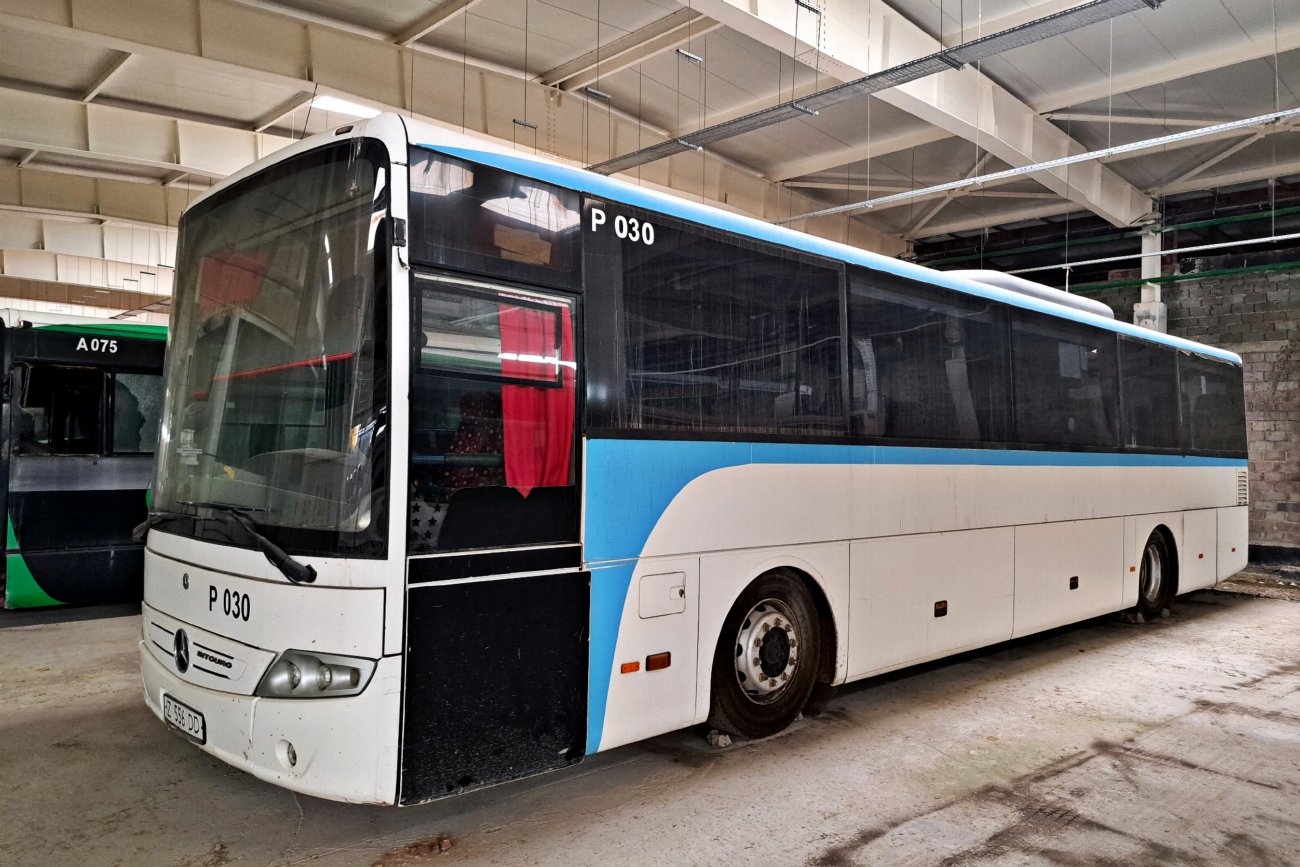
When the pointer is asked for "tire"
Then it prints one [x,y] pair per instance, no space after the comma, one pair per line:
[1156,577]
[774,623]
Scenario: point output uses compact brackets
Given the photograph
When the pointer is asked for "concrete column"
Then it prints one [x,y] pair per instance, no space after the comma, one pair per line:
[1151,312]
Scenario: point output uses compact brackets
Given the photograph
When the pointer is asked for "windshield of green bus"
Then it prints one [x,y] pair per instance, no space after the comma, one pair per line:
[277,369]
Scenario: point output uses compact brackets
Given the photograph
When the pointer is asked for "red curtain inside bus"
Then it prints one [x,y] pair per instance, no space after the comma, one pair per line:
[537,421]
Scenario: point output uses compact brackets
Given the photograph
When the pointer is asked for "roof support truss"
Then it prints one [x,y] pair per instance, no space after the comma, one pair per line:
[426,24]
[858,39]
[109,70]
[69,127]
[657,37]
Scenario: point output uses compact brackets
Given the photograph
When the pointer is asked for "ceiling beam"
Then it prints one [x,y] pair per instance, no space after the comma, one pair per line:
[1222,155]
[869,149]
[858,39]
[1193,60]
[983,221]
[1263,123]
[426,24]
[1031,12]
[1132,120]
[1229,179]
[934,212]
[659,36]
[299,52]
[110,69]
[54,125]
[39,192]
[281,111]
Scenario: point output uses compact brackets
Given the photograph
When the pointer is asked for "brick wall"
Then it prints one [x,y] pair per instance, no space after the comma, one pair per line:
[1256,316]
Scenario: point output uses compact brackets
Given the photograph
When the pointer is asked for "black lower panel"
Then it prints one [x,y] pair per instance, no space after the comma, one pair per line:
[496,682]
[90,576]
[55,520]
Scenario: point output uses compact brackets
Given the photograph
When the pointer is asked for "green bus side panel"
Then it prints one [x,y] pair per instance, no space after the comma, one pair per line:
[21,589]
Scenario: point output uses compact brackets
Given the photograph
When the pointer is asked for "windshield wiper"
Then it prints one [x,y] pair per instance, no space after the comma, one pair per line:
[153,520]
[296,572]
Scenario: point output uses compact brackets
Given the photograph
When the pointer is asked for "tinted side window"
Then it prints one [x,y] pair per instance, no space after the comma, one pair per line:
[1149,377]
[1213,402]
[727,336]
[493,222]
[1066,382]
[926,363]
[60,410]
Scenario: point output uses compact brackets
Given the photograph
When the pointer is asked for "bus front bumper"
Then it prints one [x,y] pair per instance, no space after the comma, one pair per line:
[343,749]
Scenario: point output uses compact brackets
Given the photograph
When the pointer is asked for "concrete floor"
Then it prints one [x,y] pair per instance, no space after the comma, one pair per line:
[1177,742]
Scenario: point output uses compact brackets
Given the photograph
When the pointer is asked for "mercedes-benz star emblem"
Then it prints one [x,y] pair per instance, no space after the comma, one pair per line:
[181,643]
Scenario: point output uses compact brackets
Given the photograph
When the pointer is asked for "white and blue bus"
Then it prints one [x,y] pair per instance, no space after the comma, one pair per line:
[474,464]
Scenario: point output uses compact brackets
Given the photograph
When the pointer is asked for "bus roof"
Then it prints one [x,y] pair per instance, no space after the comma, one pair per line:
[543,169]
[67,322]
[481,150]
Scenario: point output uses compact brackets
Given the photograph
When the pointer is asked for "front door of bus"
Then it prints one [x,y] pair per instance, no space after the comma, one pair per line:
[497,604]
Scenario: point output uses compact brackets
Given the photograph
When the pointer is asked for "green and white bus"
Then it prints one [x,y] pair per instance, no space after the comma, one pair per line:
[80,415]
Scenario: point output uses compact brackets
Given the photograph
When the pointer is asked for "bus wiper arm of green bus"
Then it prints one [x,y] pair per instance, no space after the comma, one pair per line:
[296,572]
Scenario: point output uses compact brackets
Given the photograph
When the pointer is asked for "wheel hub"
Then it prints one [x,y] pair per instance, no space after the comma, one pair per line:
[1152,578]
[767,651]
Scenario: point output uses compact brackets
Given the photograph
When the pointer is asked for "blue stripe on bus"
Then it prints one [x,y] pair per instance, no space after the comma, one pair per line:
[630,483]
[639,197]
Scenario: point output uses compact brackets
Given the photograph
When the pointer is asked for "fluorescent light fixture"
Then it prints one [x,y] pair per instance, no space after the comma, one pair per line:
[342,106]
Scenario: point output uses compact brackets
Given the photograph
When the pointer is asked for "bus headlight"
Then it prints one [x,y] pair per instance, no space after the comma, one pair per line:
[297,674]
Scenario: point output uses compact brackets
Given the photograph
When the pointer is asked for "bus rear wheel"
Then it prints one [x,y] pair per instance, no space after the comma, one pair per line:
[1155,577]
[767,657]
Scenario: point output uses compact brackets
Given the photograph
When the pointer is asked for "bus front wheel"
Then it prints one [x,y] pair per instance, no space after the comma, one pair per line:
[767,657]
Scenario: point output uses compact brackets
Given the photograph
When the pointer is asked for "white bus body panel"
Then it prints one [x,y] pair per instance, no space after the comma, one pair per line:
[282,616]
[665,700]
[1233,533]
[897,581]
[1198,561]
[885,542]
[1048,559]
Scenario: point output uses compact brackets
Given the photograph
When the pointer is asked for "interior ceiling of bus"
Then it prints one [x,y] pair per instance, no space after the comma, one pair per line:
[117,114]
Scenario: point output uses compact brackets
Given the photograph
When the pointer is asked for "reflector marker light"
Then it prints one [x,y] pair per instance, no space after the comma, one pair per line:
[658,661]
[630,667]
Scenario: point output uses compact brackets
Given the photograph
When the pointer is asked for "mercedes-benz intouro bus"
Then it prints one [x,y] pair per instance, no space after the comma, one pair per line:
[473,464]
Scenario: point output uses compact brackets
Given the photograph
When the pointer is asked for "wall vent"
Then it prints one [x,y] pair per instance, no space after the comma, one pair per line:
[1243,488]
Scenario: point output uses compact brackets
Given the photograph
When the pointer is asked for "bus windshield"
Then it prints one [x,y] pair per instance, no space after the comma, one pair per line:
[276,378]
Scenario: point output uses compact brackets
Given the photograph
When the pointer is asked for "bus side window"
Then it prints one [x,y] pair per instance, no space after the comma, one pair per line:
[1213,412]
[60,411]
[927,363]
[1066,382]
[721,336]
[137,412]
[1149,379]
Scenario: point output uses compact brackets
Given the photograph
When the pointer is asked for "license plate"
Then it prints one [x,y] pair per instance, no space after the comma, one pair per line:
[185,718]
